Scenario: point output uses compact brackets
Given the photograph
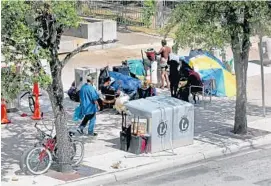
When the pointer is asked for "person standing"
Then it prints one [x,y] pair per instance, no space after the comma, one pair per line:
[164,52]
[89,105]
[174,75]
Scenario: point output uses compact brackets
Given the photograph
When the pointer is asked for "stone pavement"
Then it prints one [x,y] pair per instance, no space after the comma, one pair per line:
[213,123]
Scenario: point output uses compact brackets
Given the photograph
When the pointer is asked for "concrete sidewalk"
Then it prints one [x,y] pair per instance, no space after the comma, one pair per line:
[213,123]
[211,139]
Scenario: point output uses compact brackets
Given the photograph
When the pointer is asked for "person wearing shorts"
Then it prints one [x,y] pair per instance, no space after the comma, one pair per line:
[164,52]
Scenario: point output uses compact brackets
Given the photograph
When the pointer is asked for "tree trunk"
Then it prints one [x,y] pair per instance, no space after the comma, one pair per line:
[240,122]
[240,40]
[240,49]
[159,14]
[56,95]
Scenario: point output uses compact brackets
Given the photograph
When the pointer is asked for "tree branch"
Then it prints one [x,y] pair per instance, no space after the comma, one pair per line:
[82,47]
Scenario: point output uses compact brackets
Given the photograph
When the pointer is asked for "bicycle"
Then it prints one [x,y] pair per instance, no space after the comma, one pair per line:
[45,151]
[31,101]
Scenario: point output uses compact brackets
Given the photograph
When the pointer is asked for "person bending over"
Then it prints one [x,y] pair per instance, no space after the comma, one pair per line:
[109,91]
[193,78]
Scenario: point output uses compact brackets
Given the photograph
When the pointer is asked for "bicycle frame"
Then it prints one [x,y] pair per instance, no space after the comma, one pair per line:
[48,142]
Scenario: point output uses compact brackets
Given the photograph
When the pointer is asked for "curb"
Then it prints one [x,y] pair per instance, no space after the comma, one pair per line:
[124,174]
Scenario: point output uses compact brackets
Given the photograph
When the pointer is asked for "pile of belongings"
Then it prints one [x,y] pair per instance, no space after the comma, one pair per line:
[125,83]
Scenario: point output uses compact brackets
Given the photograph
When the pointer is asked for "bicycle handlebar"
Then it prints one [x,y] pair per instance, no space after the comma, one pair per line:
[42,132]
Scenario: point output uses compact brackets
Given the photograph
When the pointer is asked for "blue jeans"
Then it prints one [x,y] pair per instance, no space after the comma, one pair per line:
[92,120]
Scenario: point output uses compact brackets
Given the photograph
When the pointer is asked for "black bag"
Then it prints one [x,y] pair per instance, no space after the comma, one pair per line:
[103,75]
[74,94]
[125,134]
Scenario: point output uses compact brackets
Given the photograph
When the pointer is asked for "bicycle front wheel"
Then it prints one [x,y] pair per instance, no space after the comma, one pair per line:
[38,160]
[23,160]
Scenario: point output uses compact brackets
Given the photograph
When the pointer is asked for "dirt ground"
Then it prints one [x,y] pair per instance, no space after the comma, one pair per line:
[128,47]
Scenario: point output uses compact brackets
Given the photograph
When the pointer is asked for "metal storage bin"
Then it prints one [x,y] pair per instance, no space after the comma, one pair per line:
[159,122]
[81,73]
[182,119]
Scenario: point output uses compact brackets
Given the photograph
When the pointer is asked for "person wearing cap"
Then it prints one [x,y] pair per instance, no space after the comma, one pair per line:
[164,52]
[89,105]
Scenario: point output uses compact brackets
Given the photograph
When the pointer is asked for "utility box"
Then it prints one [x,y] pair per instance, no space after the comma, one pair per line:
[182,119]
[159,127]
[170,121]
[81,73]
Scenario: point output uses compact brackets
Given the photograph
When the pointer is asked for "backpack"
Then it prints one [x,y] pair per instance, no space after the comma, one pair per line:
[74,94]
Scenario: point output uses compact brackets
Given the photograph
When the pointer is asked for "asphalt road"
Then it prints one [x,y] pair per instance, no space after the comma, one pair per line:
[249,168]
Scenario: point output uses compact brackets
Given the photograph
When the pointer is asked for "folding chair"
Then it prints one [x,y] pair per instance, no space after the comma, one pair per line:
[206,90]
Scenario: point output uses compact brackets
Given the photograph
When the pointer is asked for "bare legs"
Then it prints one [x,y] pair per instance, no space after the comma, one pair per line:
[164,77]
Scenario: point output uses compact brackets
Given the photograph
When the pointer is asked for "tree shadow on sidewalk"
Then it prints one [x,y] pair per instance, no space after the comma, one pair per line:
[214,123]
[16,138]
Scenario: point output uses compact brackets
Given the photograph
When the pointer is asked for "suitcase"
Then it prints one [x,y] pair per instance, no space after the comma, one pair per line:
[122,69]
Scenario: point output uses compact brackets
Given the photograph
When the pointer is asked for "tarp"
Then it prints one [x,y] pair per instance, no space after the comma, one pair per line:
[126,83]
[210,67]
[136,66]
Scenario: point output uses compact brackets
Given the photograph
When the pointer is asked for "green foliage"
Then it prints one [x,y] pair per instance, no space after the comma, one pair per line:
[211,24]
[19,46]
[148,12]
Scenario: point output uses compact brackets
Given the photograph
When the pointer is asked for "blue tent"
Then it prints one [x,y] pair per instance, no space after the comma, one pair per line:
[209,67]
[136,66]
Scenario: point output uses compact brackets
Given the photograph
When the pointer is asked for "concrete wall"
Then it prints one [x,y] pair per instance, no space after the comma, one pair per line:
[109,30]
[91,30]
[80,31]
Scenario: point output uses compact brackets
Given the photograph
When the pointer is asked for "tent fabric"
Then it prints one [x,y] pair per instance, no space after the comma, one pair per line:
[136,66]
[194,53]
[210,68]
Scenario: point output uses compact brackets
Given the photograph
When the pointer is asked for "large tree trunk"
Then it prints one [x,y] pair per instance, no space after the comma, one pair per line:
[56,95]
[240,121]
[240,49]
[240,41]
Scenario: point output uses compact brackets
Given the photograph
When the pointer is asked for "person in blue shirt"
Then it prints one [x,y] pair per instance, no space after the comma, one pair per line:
[89,105]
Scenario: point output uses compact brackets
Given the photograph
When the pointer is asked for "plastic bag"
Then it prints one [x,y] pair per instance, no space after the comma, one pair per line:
[78,113]
[120,101]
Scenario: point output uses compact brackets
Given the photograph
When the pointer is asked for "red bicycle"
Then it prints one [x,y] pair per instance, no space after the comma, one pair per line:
[39,159]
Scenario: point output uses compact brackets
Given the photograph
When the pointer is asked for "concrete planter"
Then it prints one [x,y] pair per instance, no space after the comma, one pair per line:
[90,30]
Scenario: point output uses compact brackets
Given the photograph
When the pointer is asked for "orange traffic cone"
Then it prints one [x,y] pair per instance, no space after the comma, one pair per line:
[4,116]
[37,114]
[36,89]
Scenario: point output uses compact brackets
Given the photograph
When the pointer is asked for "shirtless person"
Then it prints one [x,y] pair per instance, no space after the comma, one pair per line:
[164,52]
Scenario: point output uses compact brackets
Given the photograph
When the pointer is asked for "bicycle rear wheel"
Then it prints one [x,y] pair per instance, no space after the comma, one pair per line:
[77,152]
[38,157]
[31,103]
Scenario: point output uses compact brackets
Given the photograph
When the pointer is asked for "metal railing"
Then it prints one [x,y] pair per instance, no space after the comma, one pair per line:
[126,13]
